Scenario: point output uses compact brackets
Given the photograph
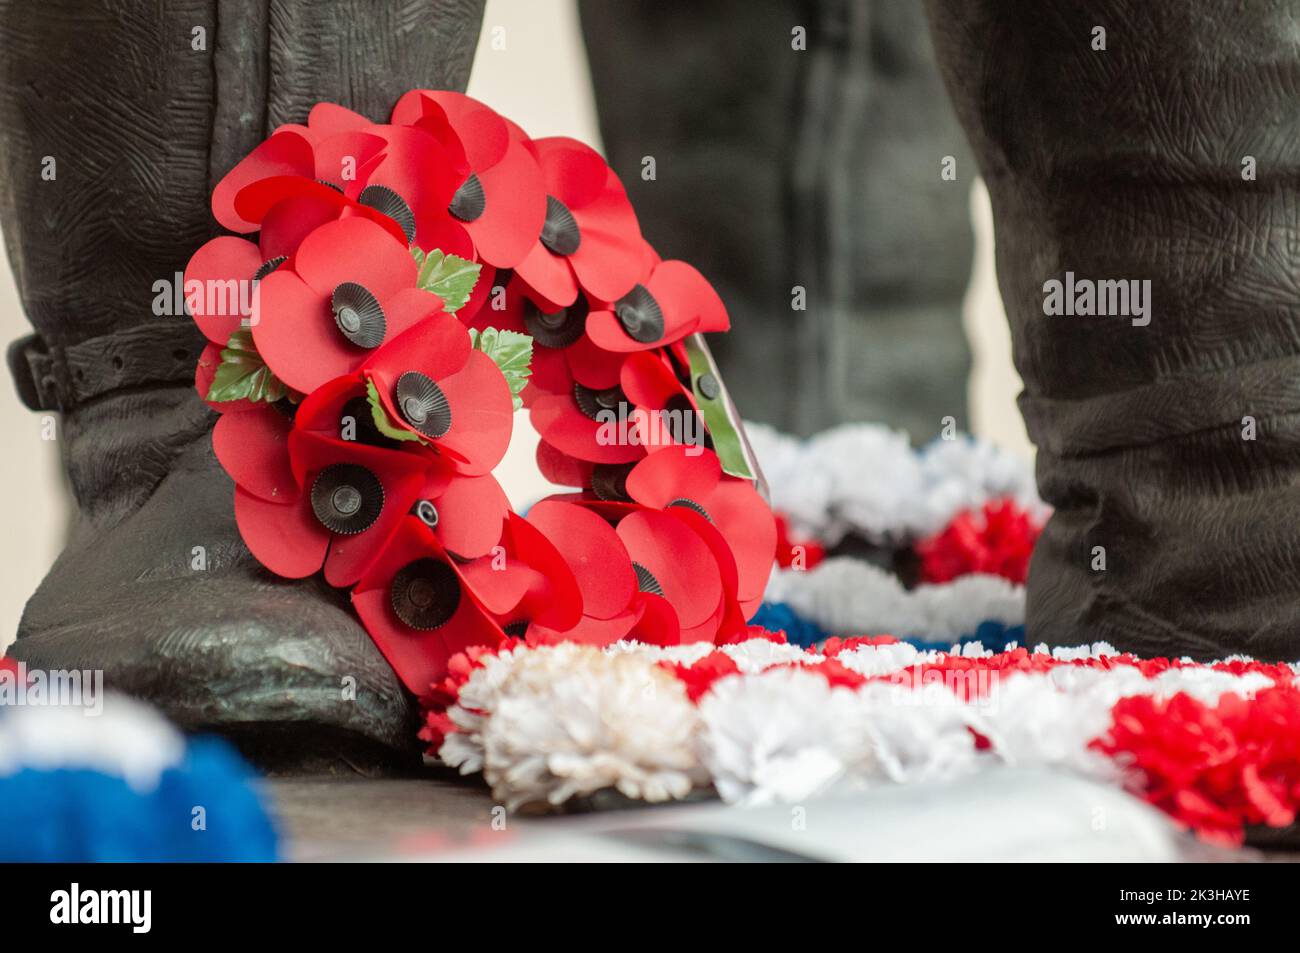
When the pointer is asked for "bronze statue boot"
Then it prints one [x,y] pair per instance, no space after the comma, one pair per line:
[155,587]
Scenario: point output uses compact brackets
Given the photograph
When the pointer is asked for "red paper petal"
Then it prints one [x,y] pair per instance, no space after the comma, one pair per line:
[746,521]
[574,172]
[560,468]
[419,657]
[514,210]
[679,560]
[355,249]
[657,622]
[253,449]
[286,538]
[223,270]
[591,366]
[609,258]
[285,153]
[327,119]
[291,220]
[675,473]
[558,420]
[295,333]
[593,551]
[438,348]
[471,513]
[549,275]
[482,415]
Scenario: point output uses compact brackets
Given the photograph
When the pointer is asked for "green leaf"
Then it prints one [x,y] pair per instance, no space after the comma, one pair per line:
[512,352]
[719,417]
[451,278]
[243,375]
[382,421]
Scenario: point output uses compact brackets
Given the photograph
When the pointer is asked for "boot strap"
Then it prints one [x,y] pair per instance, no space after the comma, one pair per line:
[60,377]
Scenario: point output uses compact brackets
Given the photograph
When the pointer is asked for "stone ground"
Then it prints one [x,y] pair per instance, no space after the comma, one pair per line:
[360,818]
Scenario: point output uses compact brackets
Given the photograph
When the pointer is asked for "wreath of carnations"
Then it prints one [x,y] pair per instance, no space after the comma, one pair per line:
[415,283]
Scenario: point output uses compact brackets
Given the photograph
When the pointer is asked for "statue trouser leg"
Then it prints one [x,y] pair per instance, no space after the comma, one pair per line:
[795,151]
[1142,165]
[118,119]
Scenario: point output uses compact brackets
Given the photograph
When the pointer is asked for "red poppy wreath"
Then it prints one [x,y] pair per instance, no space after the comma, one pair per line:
[410,286]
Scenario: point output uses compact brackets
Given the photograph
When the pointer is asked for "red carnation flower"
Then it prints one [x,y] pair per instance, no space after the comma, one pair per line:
[418,608]
[700,677]
[790,551]
[350,288]
[590,236]
[1213,768]
[997,539]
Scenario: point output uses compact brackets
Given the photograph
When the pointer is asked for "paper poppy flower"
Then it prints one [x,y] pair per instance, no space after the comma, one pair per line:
[614,606]
[590,237]
[465,513]
[501,201]
[562,354]
[222,282]
[304,503]
[605,482]
[441,391]
[666,414]
[350,287]
[674,301]
[418,608]
[687,479]
[526,583]
[613,425]
[673,562]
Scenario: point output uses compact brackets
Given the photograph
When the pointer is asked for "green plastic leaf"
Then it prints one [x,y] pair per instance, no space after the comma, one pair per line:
[382,421]
[719,416]
[243,375]
[451,278]
[512,352]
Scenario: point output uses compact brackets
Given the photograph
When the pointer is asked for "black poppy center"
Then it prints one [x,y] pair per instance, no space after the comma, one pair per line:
[598,404]
[640,315]
[347,498]
[560,233]
[358,315]
[646,581]
[690,504]
[427,513]
[383,199]
[557,329]
[609,481]
[516,629]
[269,266]
[422,404]
[425,593]
[470,201]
